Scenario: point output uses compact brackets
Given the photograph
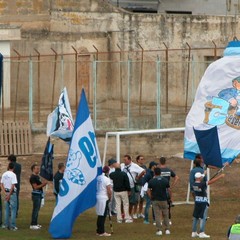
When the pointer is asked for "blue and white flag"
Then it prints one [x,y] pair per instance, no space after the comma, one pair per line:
[217,103]
[60,121]
[79,185]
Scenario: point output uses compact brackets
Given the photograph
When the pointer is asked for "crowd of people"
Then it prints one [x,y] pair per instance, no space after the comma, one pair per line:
[127,190]
[10,188]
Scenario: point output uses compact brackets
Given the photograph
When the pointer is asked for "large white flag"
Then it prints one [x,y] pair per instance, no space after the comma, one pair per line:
[217,103]
[78,188]
[60,122]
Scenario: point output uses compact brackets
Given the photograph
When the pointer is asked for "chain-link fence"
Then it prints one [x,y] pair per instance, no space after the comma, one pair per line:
[134,91]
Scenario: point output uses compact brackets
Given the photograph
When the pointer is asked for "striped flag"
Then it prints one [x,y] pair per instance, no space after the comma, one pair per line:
[60,122]
[217,103]
[78,188]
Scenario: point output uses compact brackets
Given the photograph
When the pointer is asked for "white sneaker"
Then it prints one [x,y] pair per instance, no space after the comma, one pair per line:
[195,234]
[154,223]
[128,221]
[167,232]
[34,227]
[159,233]
[203,235]
[135,216]
[170,222]
[141,215]
[119,221]
[104,234]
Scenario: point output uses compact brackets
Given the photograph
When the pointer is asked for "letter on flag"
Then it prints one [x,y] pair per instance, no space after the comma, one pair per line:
[217,103]
[46,170]
[60,122]
[78,188]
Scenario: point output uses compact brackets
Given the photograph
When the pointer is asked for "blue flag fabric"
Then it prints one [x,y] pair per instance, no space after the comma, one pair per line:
[79,185]
[46,170]
[208,143]
[217,103]
[1,76]
[60,122]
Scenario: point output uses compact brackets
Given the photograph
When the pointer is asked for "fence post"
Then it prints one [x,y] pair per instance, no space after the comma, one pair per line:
[76,77]
[95,93]
[158,78]
[30,90]
[129,91]
[38,83]
[16,96]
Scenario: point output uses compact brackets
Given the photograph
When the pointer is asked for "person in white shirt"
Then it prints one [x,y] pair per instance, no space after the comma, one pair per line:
[8,181]
[134,173]
[104,194]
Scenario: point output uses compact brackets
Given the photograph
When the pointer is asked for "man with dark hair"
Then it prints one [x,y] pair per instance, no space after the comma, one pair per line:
[168,173]
[17,170]
[139,206]
[57,179]
[135,173]
[147,177]
[37,195]
[157,192]
[198,167]
[8,182]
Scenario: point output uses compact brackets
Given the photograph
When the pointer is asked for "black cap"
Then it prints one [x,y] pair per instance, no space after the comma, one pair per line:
[151,164]
[111,161]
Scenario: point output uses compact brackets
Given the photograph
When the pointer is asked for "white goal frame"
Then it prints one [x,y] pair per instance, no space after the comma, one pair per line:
[146,131]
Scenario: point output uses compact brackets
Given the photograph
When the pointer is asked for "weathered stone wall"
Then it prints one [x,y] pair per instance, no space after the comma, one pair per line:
[84,25]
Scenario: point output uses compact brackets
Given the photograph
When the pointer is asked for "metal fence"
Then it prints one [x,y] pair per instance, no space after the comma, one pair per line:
[137,91]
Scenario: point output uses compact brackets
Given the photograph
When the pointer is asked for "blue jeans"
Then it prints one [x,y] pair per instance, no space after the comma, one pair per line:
[10,207]
[147,207]
[0,209]
[202,222]
[36,199]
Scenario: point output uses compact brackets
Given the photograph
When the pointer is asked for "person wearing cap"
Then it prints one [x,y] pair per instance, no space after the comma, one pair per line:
[121,188]
[201,203]
[147,177]
[135,173]
[234,230]
[198,167]
[112,204]
[103,195]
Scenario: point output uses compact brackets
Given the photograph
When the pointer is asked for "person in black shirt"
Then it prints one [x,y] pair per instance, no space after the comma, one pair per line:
[157,192]
[57,179]
[121,188]
[17,170]
[37,194]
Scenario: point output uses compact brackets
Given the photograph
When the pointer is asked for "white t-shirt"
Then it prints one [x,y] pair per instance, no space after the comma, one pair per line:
[102,183]
[134,169]
[8,178]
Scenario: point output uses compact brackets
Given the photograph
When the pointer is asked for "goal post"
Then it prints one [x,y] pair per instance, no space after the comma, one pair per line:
[118,135]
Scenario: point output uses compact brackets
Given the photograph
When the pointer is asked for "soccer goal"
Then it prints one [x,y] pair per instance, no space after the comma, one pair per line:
[118,135]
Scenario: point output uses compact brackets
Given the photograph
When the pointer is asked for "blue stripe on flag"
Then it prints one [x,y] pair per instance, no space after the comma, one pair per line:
[60,227]
[208,143]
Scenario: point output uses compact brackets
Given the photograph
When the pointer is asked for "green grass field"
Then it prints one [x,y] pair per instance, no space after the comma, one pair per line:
[220,212]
